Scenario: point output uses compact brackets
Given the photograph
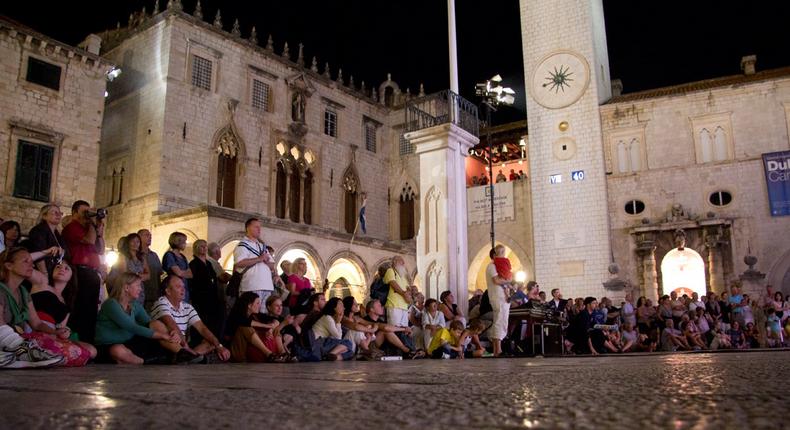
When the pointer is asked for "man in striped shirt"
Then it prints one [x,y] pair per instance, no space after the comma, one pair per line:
[176,314]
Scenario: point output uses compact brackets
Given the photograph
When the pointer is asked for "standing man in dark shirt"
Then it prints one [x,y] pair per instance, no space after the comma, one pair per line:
[85,243]
[151,286]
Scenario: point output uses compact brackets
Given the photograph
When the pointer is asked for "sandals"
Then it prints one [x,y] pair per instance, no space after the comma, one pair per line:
[415,355]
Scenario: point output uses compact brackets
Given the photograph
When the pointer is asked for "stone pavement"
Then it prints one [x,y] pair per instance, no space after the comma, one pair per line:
[745,390]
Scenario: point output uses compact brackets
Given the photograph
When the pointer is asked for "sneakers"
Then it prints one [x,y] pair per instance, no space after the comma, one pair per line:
[445,356]
[29,355]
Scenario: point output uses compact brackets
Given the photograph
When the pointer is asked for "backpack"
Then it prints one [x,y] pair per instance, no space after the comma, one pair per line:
[379,290]
[234,284]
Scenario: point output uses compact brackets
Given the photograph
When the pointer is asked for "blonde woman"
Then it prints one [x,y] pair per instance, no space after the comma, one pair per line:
[125,334]
[297,282]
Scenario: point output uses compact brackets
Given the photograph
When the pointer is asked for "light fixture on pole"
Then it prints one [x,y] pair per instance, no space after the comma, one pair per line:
[493,94]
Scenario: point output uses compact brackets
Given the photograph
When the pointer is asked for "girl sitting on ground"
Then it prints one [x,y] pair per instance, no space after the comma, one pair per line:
[354,330]
[328,333]
[432,320]
[250,338]
[52,308]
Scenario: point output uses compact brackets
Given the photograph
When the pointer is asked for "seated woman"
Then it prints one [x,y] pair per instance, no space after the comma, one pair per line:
[53,311]
[248,345]
[125,334]
[449,309]
[357,331]
[18,311]
[692,333]
[328,334]
[274,310]
[737,338]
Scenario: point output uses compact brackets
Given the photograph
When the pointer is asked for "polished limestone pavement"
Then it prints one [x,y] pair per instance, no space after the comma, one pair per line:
[747,390]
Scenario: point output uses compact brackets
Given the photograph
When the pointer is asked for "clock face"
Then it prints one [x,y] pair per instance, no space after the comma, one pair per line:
[560,79]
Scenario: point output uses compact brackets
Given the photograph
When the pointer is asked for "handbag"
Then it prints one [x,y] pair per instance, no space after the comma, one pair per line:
[234,284]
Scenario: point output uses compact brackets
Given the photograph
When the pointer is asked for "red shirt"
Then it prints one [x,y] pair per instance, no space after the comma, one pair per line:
[503,269]
[82,254]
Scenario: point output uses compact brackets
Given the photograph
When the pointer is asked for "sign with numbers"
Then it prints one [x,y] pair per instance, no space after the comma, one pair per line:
[577,175]
[555,179]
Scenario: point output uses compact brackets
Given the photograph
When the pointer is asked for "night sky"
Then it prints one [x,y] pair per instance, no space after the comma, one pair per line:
[651,43]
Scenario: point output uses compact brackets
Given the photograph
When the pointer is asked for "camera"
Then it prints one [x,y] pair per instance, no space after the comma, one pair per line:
[99,214]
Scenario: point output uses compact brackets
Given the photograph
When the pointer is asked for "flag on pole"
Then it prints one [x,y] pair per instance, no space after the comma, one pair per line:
[362,219]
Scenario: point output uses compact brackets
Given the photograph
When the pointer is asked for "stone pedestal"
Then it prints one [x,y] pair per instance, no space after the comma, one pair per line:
[442,260]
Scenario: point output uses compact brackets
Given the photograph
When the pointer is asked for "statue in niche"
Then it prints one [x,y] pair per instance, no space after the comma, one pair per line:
[680,239]
[677,213]
[297,107]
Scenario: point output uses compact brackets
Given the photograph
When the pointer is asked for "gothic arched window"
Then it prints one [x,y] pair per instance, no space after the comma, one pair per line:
[293,202]
[406,208]
[350,188]
[280,190]
[307,210]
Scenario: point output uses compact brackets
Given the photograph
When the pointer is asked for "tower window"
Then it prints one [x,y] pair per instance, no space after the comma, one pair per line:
[634,207]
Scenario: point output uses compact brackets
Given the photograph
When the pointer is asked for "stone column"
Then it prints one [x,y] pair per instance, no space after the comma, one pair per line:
[651,275]
[442,150]
[715,269]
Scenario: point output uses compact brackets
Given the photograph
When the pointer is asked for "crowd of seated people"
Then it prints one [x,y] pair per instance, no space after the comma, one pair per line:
[60,305]
[729,321]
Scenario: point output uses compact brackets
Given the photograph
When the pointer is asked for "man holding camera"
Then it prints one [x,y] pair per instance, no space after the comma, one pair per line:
[85,244]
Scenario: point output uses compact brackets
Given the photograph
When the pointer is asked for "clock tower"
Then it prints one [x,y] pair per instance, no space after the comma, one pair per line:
[567,77]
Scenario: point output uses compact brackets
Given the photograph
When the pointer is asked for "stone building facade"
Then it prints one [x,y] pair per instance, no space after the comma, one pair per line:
[689,157]
[50,124]
[653,185]
[206,128]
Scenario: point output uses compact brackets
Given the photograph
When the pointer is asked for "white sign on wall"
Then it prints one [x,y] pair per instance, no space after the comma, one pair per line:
[478,203]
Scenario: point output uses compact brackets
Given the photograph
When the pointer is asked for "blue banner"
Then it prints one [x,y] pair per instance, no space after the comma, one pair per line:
[777,177]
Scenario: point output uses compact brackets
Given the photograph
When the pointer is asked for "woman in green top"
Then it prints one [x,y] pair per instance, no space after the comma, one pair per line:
[17,309]
[125,334]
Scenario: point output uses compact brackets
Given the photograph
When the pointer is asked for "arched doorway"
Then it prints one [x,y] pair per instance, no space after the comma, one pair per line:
[476,277]
[345,275]
[683,271]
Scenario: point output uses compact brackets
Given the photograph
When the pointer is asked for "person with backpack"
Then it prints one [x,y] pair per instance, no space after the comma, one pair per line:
[378,289]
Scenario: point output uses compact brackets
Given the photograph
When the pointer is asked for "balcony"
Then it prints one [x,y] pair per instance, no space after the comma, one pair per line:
[444,107]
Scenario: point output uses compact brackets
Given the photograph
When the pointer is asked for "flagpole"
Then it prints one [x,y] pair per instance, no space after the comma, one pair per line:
[353,234]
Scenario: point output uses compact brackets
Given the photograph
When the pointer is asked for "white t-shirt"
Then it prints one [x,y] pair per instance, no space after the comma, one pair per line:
[327,327]
[438,320]
[185,315]
[259,276]
[628,314]
[496,295]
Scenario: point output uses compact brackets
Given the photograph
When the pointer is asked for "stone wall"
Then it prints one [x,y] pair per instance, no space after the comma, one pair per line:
[757,120]
[68,119]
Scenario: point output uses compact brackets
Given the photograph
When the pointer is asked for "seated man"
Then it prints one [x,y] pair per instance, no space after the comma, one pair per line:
[178,315]
[672,339]
[388,336]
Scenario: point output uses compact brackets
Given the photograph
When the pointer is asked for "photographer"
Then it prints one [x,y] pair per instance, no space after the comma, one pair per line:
[84,241]
[45,236]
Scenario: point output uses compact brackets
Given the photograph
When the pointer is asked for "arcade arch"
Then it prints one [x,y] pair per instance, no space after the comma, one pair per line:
[476,277]
[683,271]
[346,278]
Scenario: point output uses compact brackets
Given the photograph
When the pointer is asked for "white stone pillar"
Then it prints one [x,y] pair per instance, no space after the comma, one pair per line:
[441,239]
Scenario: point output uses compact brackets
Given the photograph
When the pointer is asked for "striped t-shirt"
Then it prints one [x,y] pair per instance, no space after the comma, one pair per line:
[185,316]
